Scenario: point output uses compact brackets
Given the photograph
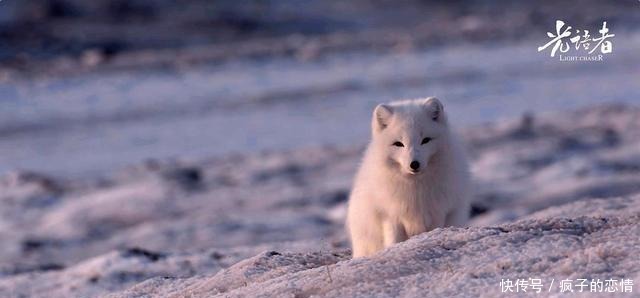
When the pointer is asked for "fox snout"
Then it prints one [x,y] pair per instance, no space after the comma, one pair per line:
[414,163]
[415,166]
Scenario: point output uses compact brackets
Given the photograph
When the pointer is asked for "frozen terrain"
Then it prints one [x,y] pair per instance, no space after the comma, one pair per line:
[594,240]
[272,223]
[105,121]
[196,148]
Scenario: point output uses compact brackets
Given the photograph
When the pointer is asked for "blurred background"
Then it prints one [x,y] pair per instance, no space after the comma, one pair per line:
[148,138]
[110,83]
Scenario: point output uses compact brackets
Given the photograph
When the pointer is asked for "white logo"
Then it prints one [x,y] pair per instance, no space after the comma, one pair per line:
[580,42]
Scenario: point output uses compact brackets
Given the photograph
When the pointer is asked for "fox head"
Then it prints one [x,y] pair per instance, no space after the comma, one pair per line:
[409,133]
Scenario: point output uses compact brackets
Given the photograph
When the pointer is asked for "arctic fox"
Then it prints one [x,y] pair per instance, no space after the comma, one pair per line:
[413,177]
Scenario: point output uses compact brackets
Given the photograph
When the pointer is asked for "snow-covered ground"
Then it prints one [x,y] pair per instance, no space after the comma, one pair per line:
[105,121]
[593,241]
[144,171]
[178,227]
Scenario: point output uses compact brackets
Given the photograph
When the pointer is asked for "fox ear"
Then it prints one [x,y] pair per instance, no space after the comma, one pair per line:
[381,116]
[435,109]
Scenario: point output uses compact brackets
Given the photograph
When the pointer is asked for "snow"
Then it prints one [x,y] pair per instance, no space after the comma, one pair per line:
[574,241]
[271,223]
[283,103]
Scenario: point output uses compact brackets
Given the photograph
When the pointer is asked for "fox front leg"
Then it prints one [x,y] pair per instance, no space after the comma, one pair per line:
[393,232]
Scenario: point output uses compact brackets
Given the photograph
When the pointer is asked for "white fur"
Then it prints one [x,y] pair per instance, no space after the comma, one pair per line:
[389,203]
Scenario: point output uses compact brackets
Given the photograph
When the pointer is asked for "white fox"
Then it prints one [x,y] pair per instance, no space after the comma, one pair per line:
[413,178]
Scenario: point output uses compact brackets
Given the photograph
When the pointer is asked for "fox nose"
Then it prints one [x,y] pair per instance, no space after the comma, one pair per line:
[415,165]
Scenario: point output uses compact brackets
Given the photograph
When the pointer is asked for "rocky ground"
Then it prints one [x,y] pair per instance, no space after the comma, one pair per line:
[272,223]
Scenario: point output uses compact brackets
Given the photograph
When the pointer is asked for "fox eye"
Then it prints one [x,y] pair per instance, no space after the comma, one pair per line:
[425,140]
[398,144]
